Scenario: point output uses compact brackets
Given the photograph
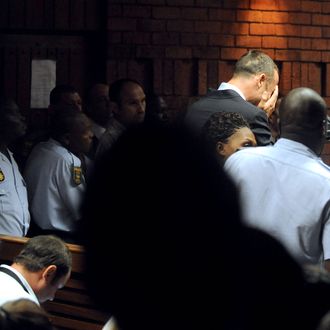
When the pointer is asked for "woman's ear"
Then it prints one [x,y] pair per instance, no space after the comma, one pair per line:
[220,148]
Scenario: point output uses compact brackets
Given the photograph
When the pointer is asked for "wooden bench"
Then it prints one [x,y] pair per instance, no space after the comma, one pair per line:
[72,307]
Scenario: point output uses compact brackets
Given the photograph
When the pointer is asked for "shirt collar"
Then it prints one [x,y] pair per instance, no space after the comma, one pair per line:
[224,86]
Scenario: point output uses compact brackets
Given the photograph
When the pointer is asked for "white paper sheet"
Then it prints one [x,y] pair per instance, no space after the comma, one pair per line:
[43,80]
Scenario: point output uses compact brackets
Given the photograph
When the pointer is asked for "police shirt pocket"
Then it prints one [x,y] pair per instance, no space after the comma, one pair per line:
[3,199]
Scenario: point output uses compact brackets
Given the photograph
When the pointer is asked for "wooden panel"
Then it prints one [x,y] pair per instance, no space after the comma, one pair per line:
[62,67]
[93,12]
[10,72]
[76,69]
[16,13]
[75,311]
[66,323]
[212,74]
[48,14]
[4,13]
[34,14]
[23,78]
[77,14]
[72,307]
[61,14]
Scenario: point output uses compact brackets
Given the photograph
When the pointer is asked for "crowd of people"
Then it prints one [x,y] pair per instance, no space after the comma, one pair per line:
[213,222]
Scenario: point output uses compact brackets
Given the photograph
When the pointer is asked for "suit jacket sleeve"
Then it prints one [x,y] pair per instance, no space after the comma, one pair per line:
[261,129]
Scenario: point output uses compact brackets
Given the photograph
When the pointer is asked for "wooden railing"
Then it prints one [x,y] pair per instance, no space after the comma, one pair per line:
[72,307]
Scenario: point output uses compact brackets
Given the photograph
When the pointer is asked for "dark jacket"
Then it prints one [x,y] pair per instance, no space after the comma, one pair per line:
[228,101]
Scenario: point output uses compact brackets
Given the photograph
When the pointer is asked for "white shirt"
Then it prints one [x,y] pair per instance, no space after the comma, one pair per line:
[224,86]
[14,211]
[285,191]
[54,197]
[10,289]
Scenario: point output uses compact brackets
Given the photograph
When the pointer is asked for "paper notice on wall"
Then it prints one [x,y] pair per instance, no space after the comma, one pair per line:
[43,80]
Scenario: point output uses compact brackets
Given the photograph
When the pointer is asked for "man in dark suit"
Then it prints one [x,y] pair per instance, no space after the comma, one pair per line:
[252,91]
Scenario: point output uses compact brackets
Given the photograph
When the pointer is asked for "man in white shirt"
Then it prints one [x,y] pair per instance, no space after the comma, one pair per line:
[55,175]
[37,272]
[14,212]
[285,188]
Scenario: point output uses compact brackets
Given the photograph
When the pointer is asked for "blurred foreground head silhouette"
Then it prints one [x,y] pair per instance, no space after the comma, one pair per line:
[166,248]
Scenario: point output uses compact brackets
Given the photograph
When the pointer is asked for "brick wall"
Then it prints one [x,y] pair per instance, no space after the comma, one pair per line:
[179,48]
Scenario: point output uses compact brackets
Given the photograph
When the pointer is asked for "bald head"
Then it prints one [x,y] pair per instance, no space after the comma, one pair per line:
[302,117]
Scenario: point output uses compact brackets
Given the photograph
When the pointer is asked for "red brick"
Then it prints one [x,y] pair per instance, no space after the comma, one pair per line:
[221,40]
[314,76]
[165,38]
[262,29]
[311,56]
[114,10]
[114,37]
[300,18]
[223,15]
[232,53]
[249,16]
[320,44]
[288,30]
[208,3]
[121,52]
[168,77]
[326,7]
[320,19]
[166,12]
[157,73]
[208,26]
[137,11]
[121,24]
[248,41]
[311,31]
[226,70]
[180,26]
[112,71]
[202,77]
[180,2]
[184,77]
[299,43]
[139,70]
[311,6]
[325,32]
[274,42]
[194,39]
[235,28]
[296,75]
[292,5]
[206,52]
[326,57]
[212,74]
[149,2]
[285,78]
[178,52]
[236,4]
[275,17]
[137,38]
[263,5]
[304,74]
[150,52]
[151,25]
[287,55]
[195,13]
[327,80]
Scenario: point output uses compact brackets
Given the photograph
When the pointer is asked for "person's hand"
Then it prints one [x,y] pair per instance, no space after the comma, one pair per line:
[268,103]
